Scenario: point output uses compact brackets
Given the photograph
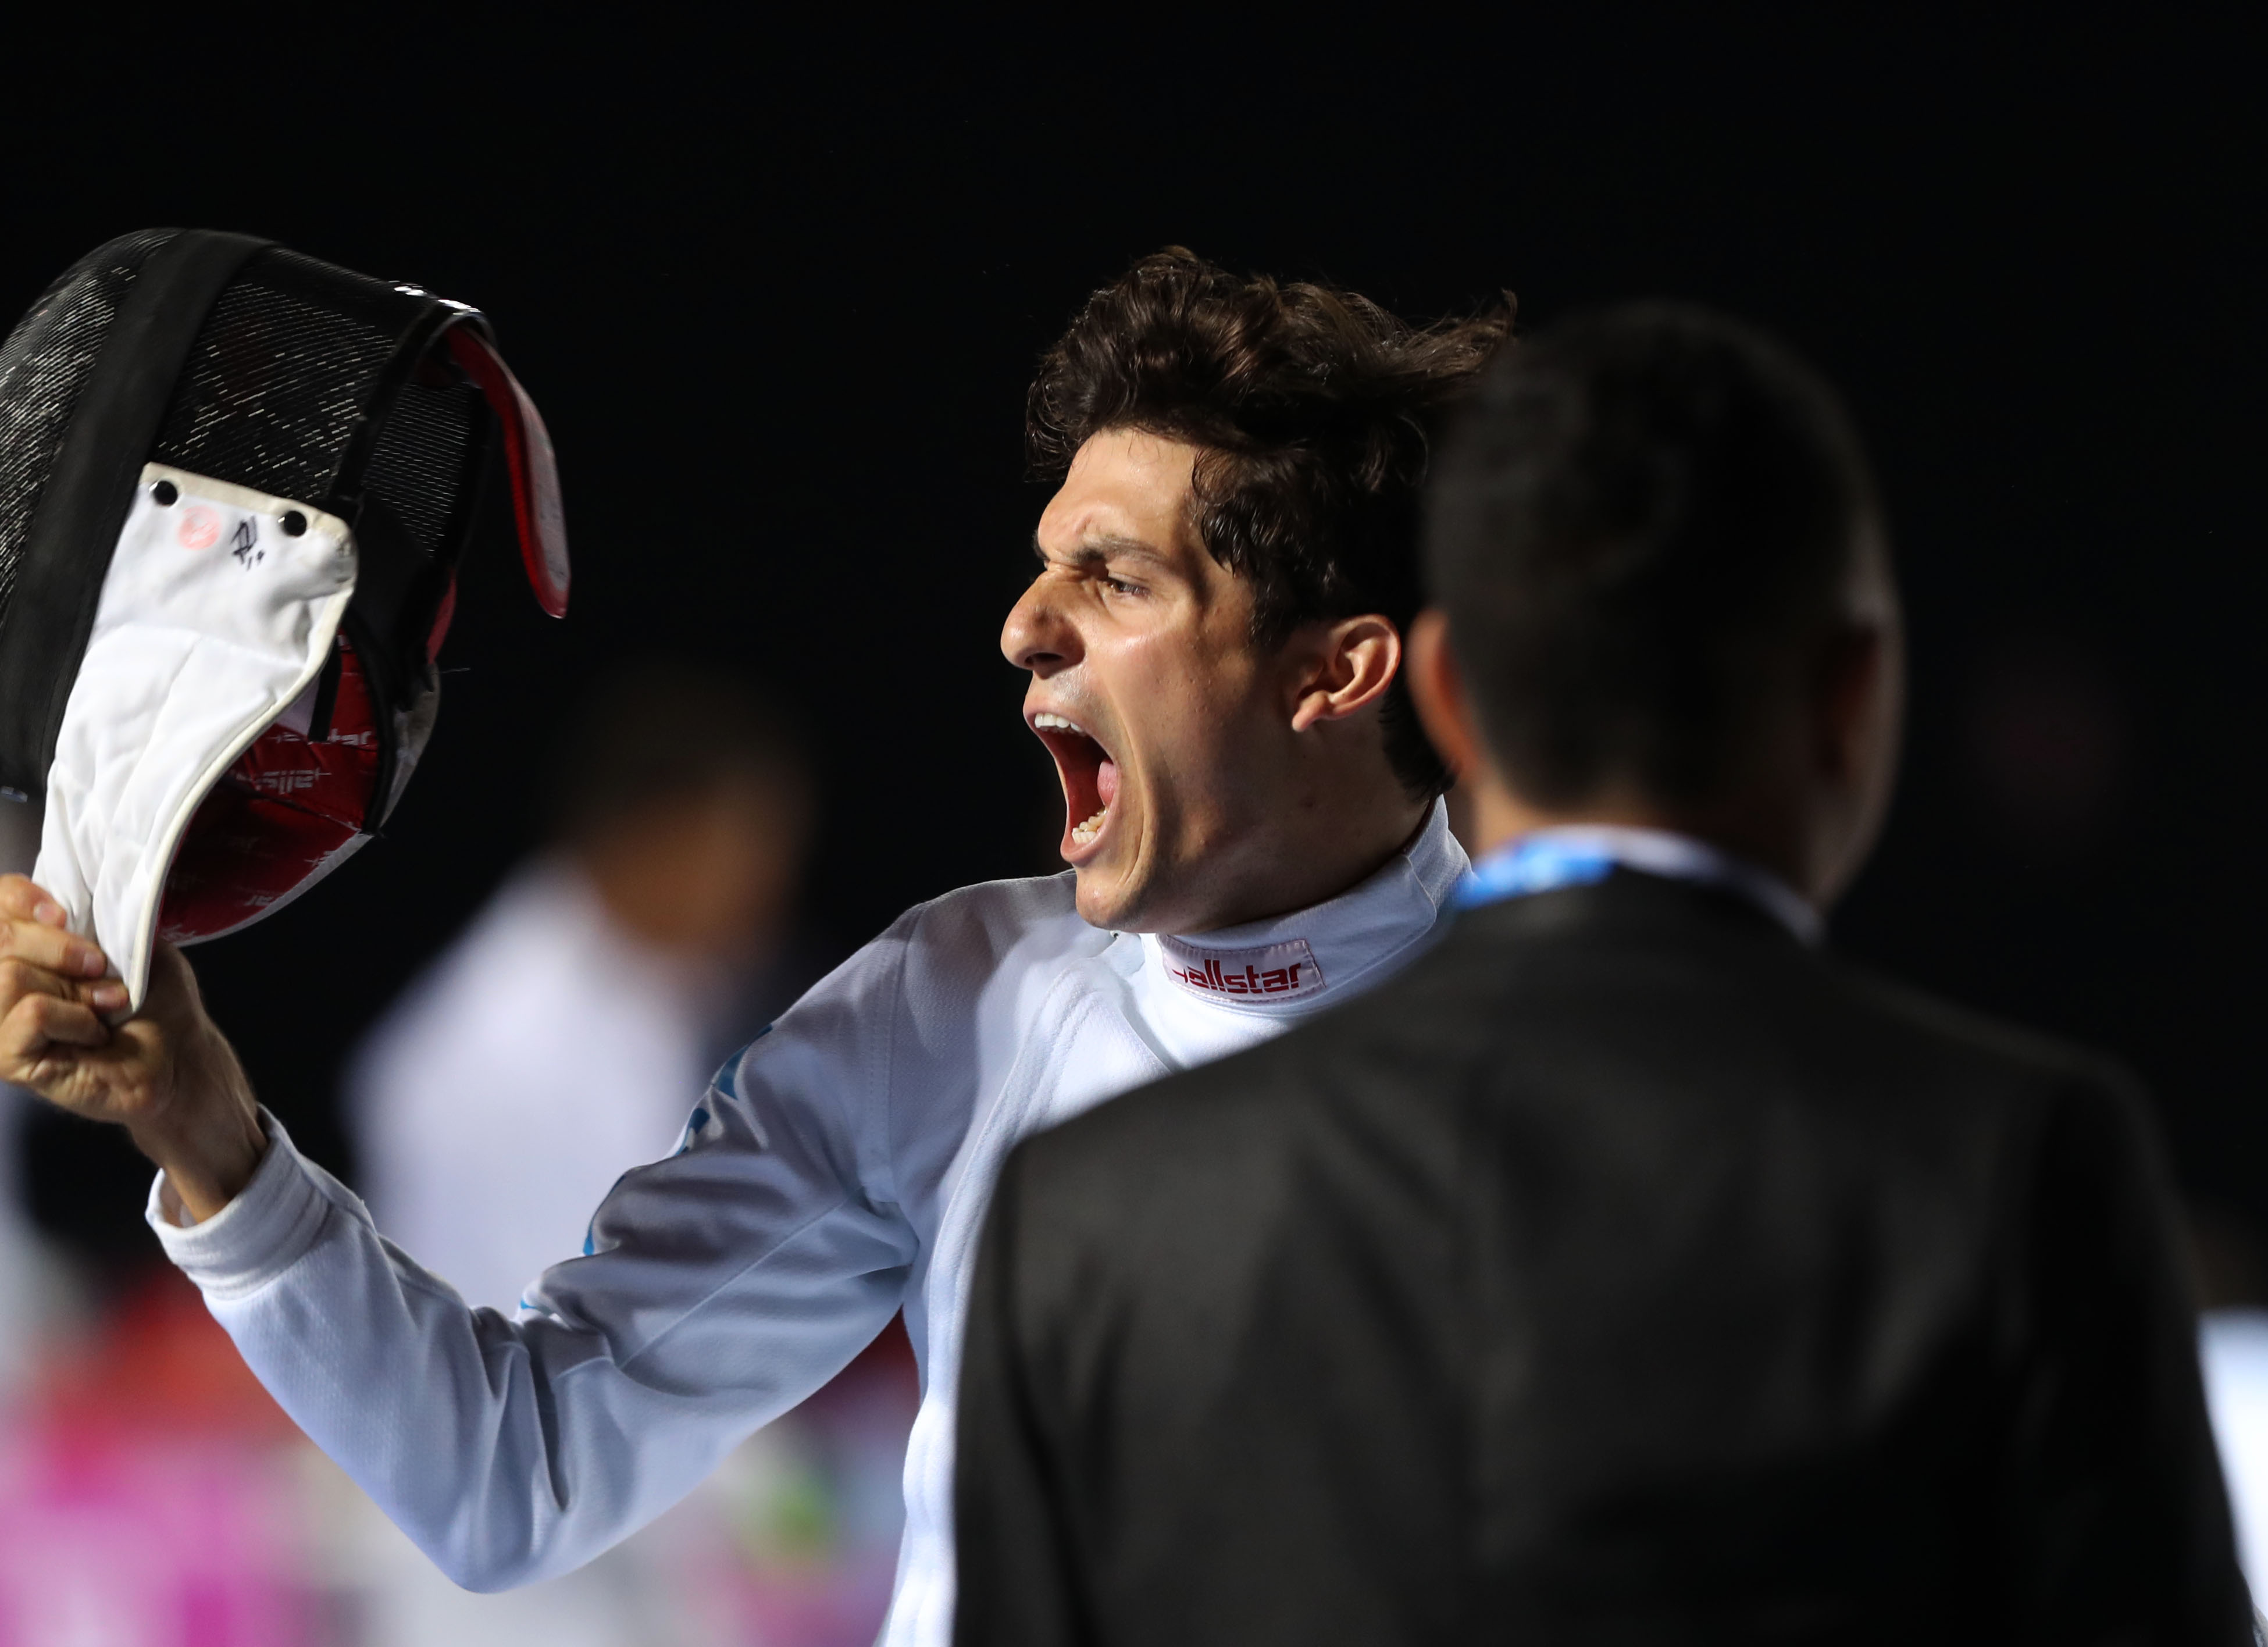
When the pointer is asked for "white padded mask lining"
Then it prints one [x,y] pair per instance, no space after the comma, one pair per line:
[213,620]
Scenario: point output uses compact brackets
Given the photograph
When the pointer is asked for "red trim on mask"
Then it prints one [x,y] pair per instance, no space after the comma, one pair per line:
[534,470]
[277,820]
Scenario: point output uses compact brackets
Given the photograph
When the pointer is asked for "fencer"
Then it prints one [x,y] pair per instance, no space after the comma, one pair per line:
[1254,831]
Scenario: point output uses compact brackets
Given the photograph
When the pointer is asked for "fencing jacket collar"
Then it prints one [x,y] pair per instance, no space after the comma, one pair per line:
[1203,994]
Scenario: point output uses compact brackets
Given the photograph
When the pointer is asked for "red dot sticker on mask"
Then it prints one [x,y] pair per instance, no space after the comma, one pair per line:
[200,527]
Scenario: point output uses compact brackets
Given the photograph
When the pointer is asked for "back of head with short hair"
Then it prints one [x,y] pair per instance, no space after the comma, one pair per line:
[1642,519]
[1310,405]
[662,729]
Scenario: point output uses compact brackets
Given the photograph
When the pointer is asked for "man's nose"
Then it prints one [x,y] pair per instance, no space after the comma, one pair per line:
[1039,636]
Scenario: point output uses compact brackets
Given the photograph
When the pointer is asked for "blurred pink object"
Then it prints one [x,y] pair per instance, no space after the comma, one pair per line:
[171,1546]
[132,1512]
[152,1494]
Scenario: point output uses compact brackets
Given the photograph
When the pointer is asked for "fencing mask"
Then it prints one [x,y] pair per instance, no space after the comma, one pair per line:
[234,486]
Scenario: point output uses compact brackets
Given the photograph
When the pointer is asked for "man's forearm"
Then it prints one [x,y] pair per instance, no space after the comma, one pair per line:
[210,1142]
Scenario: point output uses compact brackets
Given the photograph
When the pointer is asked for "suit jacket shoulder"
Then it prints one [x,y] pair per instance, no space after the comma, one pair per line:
[1621,1258]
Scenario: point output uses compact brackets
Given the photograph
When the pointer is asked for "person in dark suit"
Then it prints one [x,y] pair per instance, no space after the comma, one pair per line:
[1631,1269]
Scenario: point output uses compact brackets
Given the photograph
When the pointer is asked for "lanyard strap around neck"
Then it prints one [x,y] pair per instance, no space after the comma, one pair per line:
[1576,855]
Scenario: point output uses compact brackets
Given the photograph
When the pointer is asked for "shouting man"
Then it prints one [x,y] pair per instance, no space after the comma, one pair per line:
[1254,833]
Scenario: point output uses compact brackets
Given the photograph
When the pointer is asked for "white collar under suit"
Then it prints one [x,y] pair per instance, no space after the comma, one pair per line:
[836,1171]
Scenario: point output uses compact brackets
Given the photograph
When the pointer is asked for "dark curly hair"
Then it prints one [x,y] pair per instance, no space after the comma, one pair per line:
[1311,406]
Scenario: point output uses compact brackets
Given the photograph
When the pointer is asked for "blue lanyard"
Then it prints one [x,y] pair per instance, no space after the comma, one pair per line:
[1533,864]
[1579,855]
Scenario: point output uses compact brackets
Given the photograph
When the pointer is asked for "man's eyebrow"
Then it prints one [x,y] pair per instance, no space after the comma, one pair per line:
[1094,551]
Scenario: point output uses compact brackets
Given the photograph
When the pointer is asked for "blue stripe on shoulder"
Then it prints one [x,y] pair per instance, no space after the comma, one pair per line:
[728,1073]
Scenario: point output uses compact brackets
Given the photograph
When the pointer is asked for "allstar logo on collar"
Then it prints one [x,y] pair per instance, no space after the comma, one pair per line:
[1275,972]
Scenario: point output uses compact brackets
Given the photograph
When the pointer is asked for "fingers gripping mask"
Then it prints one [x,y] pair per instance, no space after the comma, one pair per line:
[235,486]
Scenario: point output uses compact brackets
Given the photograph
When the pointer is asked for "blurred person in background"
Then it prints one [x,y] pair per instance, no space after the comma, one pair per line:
[1629,1269]
[549,1051]
[551,1047]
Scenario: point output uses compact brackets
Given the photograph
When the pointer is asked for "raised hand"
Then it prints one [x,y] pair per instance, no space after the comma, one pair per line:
[165,1074]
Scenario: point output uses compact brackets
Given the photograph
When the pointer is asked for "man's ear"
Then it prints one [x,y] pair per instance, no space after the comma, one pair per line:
[1437,687]
[1852,694]
[1352,663]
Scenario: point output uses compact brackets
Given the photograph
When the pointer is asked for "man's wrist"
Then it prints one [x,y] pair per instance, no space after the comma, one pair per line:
[208,1147]
[207,1170]
[207,1176]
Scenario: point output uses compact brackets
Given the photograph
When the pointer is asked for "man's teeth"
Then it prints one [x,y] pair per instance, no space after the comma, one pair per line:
[1046,721]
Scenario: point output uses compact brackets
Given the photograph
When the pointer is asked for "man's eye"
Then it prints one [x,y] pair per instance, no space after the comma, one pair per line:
[1120,586]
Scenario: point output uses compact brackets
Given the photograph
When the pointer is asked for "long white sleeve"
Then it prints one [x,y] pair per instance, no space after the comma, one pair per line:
[836,1171]
[722,1286]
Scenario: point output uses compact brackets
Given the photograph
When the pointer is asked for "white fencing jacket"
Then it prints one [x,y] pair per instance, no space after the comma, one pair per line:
[836,1171]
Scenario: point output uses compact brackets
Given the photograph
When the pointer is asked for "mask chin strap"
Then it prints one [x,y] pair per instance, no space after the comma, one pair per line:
[534,470]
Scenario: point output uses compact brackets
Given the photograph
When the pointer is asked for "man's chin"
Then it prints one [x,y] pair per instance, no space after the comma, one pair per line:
[1109,897]
[1121,900]
[1101,896]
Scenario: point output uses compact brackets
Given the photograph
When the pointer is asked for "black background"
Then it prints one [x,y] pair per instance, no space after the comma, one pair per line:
[778,294]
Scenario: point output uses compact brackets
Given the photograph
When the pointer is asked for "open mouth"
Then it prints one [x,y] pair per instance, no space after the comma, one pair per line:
[1090,778]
